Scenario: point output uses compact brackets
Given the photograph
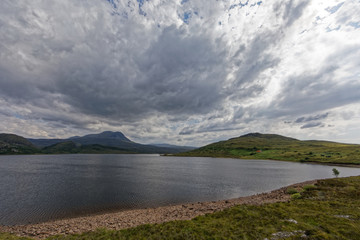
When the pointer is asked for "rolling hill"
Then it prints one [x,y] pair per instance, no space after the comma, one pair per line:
[14,144]
[277,147]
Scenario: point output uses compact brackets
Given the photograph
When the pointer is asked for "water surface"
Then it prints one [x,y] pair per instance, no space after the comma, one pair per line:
[37,188]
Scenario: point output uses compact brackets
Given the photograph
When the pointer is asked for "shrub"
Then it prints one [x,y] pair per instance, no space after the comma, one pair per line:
[295,196]
[335,172]
[309,187]
[291,191]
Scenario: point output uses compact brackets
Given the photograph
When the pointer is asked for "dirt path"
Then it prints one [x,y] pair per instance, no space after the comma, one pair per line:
[132,218]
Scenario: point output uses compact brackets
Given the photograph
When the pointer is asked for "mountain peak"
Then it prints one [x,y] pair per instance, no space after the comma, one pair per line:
[266,136]
[253,135]
[15,140]
[109,134]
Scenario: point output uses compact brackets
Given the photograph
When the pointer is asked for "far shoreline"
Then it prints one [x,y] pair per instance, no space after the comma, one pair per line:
[175,155]
[352,165]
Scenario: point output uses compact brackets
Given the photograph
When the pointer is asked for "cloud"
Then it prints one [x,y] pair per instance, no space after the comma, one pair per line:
[169,71]
[312,125]
[312,118]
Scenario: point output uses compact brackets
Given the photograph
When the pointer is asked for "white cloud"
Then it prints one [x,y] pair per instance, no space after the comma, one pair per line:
[161,68]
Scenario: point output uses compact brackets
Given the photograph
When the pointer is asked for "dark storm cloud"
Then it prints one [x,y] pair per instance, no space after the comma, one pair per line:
[181,73]
[176,74]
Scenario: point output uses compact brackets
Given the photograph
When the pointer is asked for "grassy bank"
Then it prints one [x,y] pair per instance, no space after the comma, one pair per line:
[328,210]
[276,147]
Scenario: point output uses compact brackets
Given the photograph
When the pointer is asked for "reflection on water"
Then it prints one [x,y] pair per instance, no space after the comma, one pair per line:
[40,188]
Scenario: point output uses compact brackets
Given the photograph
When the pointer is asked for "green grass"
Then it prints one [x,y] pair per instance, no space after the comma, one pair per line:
[276,147]
[328,210]
[7,236]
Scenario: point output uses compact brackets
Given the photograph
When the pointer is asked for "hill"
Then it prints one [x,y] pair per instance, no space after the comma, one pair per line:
[180,148]
[14,144]
[277,147]
[71,147]
[105,142]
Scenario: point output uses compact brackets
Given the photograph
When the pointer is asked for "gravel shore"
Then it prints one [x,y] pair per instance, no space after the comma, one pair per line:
[132,218]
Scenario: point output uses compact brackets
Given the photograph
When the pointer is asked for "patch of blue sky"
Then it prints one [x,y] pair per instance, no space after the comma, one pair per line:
[193,121]
[240,4]
[187,16]
[18,116]
[184,1]
[354,24]
[141,2]
[112,3]
[334,8]
[116,11]
[257,3]
[141,11]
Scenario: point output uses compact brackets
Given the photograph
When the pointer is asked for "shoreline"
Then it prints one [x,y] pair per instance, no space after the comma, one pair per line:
[118,220]
[350,165]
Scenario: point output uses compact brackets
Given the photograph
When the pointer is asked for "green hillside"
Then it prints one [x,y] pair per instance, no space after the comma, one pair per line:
[70,147]
[276,147]
[14,144]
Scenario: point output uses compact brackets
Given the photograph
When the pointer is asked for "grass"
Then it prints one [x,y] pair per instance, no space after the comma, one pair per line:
[328,210]
[276,147]
[7,236]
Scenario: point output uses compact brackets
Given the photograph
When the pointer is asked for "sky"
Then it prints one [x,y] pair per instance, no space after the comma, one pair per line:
[185,72]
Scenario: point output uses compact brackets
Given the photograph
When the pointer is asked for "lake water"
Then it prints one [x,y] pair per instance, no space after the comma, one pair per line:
[36,188]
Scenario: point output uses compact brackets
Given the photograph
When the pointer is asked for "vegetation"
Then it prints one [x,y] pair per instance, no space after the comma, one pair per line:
[7,236]
[71,147]
[335,172]
[276,147]
[291,191]
[327,210]
[13,144]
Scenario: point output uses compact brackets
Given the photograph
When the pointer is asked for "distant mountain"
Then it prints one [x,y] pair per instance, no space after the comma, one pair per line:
[277,147]
[113,139]
[71,147]
[105,139]
[40,143]
[106,135]
[14,144]
[182,148]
